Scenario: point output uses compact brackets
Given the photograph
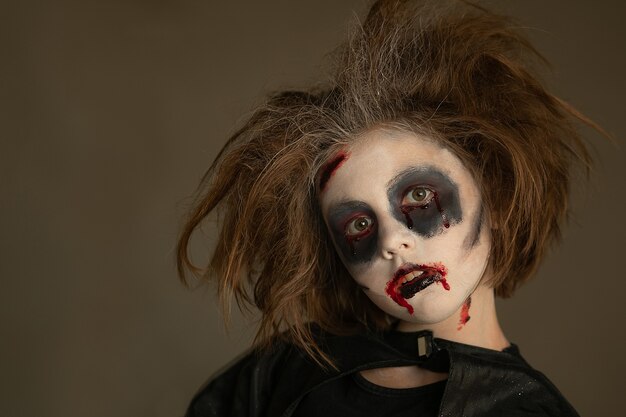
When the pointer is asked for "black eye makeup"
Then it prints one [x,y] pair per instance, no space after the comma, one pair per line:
[354,229]
[425,199]
[420,197]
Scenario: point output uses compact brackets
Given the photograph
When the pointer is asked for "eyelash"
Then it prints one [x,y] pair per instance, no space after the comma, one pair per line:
[430,195]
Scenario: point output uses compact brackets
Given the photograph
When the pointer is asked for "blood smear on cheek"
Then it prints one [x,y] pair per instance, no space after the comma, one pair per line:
[465,317]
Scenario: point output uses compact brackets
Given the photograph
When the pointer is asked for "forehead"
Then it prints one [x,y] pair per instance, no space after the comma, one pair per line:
[377,157]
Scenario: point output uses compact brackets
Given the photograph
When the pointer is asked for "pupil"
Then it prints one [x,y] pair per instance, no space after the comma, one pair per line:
[361,224]
[419,193]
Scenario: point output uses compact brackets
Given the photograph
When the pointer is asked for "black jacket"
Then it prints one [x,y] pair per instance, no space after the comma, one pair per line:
[481,382]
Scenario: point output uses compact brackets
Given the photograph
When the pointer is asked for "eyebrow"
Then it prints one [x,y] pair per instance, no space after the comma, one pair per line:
[424,170]
[342,207]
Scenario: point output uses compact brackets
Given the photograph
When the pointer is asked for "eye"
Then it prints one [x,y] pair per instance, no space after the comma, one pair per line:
[359,225]
[418,196]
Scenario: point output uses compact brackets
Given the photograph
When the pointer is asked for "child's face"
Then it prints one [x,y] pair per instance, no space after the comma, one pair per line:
[406,218]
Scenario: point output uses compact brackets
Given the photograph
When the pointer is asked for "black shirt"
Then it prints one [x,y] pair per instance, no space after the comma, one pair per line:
[353,395]
[481,382]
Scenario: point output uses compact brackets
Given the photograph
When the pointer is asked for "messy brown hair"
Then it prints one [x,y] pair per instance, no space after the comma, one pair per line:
[451,71]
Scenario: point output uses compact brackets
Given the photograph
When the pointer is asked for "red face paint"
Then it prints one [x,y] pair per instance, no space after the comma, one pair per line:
[351,241]
[465,317]
[331,167]
[410,279]
[444,218]
[444,284]
[406,210]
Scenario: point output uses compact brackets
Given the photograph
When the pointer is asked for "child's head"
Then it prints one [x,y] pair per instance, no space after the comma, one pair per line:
[447,99]
[408,223]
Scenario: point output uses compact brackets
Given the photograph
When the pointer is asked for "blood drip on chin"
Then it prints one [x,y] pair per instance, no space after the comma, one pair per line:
[465,317]
[400,300]
[444,284]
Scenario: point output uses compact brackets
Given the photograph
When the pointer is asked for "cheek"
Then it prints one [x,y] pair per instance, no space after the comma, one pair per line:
[356,251]
[366,277]
[474,236]
[468,265]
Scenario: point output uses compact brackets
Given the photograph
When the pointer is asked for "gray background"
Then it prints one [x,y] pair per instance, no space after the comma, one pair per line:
[111,111]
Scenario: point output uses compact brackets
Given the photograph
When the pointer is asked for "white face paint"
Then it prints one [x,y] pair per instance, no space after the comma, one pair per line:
[406,218]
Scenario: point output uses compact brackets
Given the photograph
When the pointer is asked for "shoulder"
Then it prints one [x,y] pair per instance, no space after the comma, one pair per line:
[269,382]
[484,382]
[259,382]
[238,388]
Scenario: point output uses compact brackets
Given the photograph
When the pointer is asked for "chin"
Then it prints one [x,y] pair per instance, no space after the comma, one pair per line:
[425,312]
[428,317]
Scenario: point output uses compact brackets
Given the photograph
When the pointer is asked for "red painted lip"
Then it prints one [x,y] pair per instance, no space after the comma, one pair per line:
[431,273]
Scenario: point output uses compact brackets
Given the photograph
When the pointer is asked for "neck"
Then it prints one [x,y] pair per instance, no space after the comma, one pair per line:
[481,329]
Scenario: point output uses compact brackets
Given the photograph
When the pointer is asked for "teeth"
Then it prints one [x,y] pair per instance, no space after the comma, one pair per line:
[410,276]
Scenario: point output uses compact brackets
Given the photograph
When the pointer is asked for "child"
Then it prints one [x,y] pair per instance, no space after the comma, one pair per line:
[373,220]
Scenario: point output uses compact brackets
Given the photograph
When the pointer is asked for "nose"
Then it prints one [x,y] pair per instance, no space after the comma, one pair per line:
[394,238]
